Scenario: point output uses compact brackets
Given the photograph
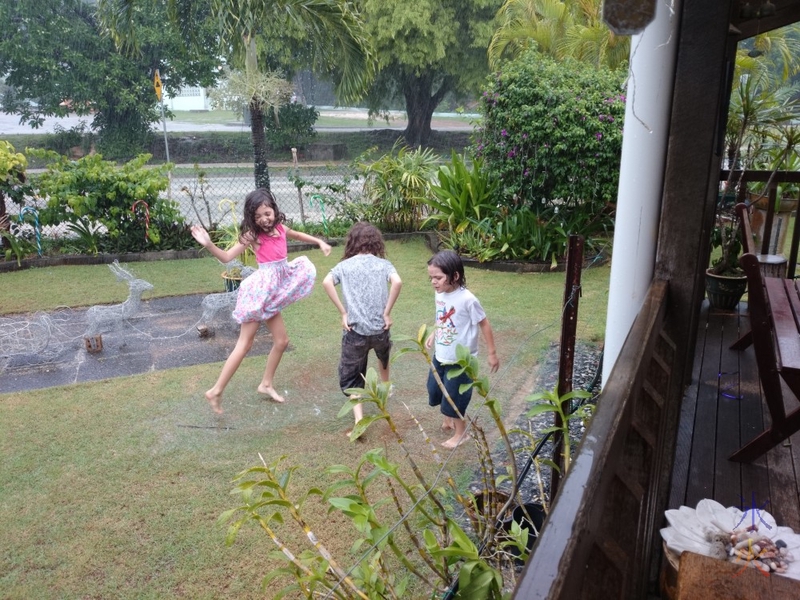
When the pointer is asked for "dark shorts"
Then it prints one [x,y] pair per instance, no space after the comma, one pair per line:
[355,352]
[436,397]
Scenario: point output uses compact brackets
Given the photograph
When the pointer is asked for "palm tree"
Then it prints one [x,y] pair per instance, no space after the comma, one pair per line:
[335,37]
[559,28]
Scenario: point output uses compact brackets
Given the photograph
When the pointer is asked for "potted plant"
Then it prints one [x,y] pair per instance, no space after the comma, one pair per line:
[760,105]
[781,157]
[226,237]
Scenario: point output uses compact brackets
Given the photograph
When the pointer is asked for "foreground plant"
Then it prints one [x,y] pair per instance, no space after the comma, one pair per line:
[393,507]
[561,408]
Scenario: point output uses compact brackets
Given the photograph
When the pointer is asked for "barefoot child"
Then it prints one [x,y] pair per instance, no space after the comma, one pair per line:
[459,317]
[264,294]
[364,273]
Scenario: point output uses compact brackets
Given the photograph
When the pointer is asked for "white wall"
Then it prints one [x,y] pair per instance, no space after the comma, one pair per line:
[190,98]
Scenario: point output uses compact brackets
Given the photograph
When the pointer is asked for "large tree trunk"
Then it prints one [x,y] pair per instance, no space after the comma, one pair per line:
[259,137]
[420,104]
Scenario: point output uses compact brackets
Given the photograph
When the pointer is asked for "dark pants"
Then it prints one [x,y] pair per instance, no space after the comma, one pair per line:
[436,396]
[355,353]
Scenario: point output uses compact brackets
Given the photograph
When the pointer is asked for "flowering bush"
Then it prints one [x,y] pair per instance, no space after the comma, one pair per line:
[552,135]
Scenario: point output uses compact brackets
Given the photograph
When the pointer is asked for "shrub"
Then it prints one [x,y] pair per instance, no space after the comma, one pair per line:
[124,200]
[552,134]
[294,127]
[64,140]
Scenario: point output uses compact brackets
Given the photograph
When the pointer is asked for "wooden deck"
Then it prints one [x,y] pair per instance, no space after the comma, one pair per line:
[721,410]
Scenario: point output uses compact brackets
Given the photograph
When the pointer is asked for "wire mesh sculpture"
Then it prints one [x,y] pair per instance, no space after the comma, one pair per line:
[216,305]
[102,318]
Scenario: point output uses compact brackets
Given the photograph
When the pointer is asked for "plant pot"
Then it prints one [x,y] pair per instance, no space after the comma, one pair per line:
[530,516]
[724,292]
[498,499]
[780,222]
[231,282]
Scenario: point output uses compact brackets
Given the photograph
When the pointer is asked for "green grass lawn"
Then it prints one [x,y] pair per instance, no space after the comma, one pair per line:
[112,489]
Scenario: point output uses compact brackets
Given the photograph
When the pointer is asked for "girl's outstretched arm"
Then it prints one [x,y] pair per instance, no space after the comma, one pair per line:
[308,239]
[223,256]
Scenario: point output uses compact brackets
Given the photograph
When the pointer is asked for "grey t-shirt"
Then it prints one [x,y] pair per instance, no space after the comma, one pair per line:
[364,279]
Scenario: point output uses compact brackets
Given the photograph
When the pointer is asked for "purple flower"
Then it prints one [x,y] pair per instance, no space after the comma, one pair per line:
[525,173]
[504,133]
[511,154]
[610,119]
[524,136]
[598,135]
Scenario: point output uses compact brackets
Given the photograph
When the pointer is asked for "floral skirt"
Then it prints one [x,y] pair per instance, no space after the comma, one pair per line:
[273,287]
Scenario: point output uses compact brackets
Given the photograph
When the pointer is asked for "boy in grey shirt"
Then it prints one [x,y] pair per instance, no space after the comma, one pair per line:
[370,285]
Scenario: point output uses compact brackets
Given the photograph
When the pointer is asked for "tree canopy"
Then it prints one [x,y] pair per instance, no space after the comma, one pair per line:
[58,59]
[558,28]
[330,32]
[426,49]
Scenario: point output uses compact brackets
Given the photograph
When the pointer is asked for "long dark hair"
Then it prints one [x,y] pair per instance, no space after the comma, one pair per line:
[364,238]
[252,202]
[450,264]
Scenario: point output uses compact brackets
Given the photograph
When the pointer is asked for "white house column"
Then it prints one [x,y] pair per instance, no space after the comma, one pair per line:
[644,147]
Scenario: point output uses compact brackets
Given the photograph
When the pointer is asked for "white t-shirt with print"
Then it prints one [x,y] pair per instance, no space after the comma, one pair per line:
[457,316]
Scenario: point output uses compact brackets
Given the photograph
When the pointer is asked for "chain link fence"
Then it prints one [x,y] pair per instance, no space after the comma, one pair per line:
[213,195]
[305,194]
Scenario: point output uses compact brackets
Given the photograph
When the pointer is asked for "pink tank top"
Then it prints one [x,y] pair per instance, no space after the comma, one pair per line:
[270,248]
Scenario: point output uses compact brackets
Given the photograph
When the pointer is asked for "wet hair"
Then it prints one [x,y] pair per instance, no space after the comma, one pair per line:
[364,238]
[252,202]
[450,264]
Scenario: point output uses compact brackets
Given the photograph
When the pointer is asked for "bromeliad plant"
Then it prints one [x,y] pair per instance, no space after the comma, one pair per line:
[392,507]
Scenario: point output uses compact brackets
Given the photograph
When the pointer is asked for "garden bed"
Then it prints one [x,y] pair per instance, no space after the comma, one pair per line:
[103,258]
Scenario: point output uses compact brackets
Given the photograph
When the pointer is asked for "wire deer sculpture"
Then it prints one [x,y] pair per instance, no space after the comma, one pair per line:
[102,318]
[214,304]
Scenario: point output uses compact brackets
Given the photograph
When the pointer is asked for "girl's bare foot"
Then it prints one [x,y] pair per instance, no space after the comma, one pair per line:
[215,400]
[271,392]
[455,441]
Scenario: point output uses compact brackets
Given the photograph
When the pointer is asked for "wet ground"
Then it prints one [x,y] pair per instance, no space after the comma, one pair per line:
[47,349]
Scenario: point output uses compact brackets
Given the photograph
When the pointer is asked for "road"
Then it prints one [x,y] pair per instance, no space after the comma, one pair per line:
[10,125]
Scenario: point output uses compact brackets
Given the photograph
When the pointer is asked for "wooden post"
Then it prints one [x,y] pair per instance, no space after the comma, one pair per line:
[299,190]
[566,358]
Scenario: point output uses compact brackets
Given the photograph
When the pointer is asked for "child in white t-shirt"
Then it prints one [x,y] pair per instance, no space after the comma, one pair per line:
[459,318]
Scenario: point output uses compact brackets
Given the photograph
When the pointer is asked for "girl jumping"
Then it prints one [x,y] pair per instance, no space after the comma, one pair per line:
[264,294]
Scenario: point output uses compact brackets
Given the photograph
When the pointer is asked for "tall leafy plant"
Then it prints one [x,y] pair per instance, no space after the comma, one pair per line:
[462,195]
[397,185]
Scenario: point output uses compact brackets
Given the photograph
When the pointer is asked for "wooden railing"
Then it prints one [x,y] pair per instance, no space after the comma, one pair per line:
[598,539]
